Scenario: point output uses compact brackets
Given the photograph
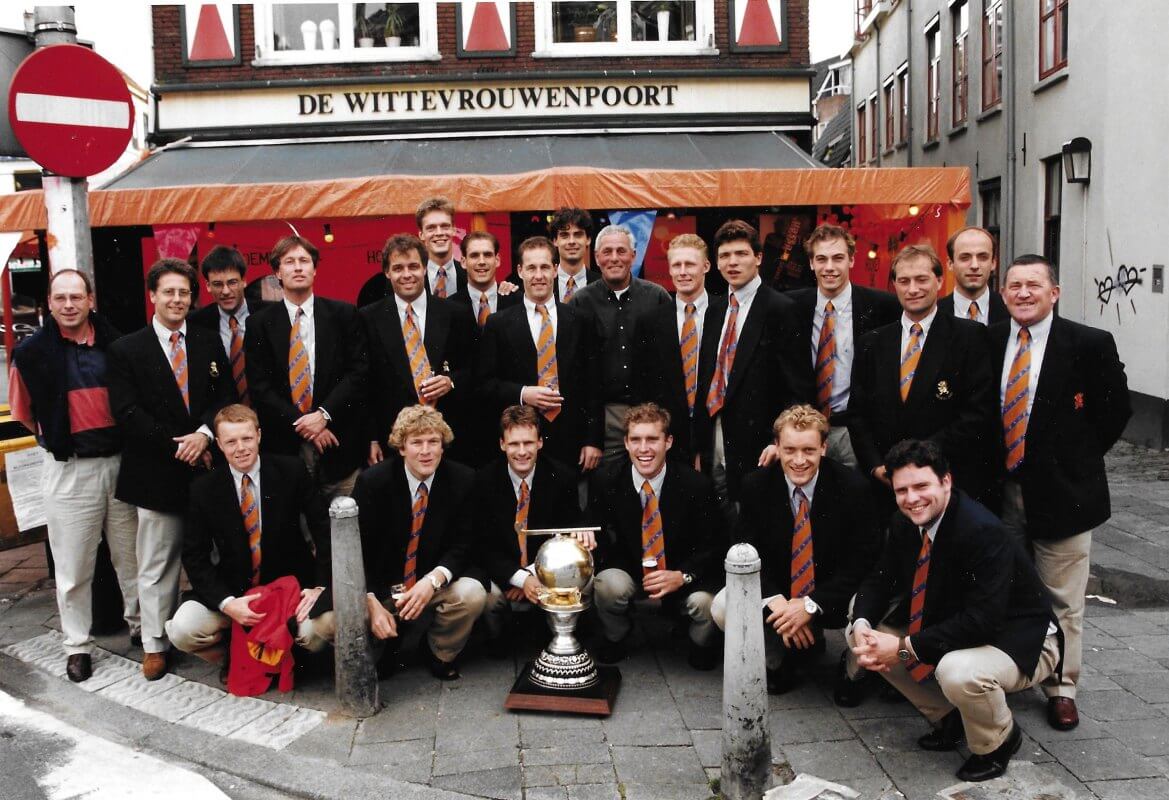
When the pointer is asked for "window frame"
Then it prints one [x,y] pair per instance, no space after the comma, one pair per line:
[992,55]
[874,128]
[959,80]
[1059,39]
[933,83]
[888,95]
[903,101]
[862,133]
[625,46]
[1052,208]
[266,53]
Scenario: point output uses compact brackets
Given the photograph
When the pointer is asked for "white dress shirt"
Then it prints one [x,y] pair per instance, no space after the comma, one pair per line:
[1040,332]
[476,294]
[164,333]
[581,279]
[308,329]
[241,317]
[534,322]
[700,306]
[845,349]
[452,282]
[745,296]
[428,481]
[907,323]
[417,307]
[962,305]
[655,483]
[520,575]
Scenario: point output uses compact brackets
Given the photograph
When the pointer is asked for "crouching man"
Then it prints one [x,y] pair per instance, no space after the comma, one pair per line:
[249,510]
[961,617]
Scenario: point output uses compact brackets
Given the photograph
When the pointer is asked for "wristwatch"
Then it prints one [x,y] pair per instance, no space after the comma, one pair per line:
[687,578]
[903,651]
[434,581]
[810,605]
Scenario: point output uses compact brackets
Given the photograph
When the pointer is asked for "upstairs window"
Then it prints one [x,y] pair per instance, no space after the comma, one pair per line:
[960,16]
[1053,36]
[992,54]
[624,28]
[903,100]
[862,128]
[890,114]
[933,41]
[320,33]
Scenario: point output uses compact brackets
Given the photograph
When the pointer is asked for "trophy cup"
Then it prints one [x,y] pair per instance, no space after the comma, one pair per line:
[564,676]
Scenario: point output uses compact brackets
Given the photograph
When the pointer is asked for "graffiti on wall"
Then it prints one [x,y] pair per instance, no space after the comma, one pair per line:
[1116,289]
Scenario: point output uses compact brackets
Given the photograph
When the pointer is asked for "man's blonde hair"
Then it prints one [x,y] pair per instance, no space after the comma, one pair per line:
[801,418]
[415,420]
[687,240]
[236,412]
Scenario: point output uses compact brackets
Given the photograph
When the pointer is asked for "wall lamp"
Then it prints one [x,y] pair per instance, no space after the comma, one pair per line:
[1077,160]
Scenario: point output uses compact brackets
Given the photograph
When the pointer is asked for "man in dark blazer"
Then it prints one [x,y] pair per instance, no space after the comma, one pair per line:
[445,331]
[415,517]
[838,314]
[660,535]
[248,512]
[669,342]
[166,381]
[508,366]
[484,295]
[973,256]
[954,615]
[518,490]
[927,376]
[312,404]
[813,523]
[1064,400]
[436,228]
[750,371]
[224,270]
[572,233]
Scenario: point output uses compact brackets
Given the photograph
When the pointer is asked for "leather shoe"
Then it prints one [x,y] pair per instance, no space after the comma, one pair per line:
[702,658]
[982,768]
[946,736]
[783,680]
[849,692]
[612,652]
[154,666]
[79,667]
[443,670]
[499,647]
[1062,714]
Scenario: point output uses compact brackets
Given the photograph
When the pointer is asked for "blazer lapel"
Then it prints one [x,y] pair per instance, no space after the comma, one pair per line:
[712,325]
[522,347]
[438,324]
[279,330]
[748,340]
[166,375]
[933,356]
[567,332]
[199,364]
[389,330]
[1053,373]
[325,344]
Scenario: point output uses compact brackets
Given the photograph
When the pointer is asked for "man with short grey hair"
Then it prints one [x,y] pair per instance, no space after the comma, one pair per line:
[616,301]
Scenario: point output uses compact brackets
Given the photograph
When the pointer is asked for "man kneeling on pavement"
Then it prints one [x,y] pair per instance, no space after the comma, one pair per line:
[812,521]
[249,510]
[954,616]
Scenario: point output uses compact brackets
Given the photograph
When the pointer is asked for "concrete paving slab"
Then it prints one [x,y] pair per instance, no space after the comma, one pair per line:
[608,791]
[499,784]
[1101,759]
[833,761]
[658,765]
[1137,789]
[577,753]
[1113,706]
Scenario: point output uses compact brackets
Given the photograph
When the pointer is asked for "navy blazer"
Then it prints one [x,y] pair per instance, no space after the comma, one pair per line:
[997,313]
[981,587]
[1080,409]
[845,536]
[149,408]
[339,382]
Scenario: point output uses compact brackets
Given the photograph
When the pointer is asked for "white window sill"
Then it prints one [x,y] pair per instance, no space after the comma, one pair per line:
[359,55]
[625,49]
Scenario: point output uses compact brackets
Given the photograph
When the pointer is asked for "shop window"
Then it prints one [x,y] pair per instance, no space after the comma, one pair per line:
[1053,36]
[903,101]
[315,33]
[861,135]
[933,40]
[890,114]
[624,27]
[992,54]
[1052,208]
[960,17]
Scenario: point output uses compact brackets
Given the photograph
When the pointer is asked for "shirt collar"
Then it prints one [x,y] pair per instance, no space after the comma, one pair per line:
[808,489]
[962,302]
[306,307]
[253,473]
[474,293]
[907,323]
[655,482]
[580,276]
[745,293]
[700,304]
[550,304]
[240,314]
[515,479]
[932,530]
[842,301]
[413,481]
[1038,331]
[163,332]
[418,304]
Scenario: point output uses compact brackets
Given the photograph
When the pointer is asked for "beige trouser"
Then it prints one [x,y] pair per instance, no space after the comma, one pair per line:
[498,607]
[159,547]
[614,432]
[1062,565]
[198,630]
[773,647]
[79,502]
[840,446]
[613,590]
[976,681]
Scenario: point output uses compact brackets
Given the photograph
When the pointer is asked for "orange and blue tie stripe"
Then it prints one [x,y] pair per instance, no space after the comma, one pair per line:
[689,344]
[717,396]
[803,571]
[238,364]
[523,502]
[417,519]
[249,508]
[653,539]
[178,365]
[826,361]
[918,671]
[299,375]
[1015,414]
[547,373]
[415,352]
[909,361]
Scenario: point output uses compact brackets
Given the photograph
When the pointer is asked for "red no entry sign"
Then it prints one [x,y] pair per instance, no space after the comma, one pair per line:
[70,110]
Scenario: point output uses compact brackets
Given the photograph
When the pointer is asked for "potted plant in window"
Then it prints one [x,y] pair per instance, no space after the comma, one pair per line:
[663,12]
[364,34]
[583,19]
[394,25]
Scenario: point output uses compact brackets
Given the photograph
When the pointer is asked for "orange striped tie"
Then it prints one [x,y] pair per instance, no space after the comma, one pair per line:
[917,670]
[909,360]
[299,375]
[803,570]
[521,521]
[972,311]
[484,309]
[178,365]
[717,396]
[238,365]
[653,539]
[826,360]
[250,509]
[546,372]
[569,289]
[1015,414]
[440,283]
[415,352]
[418,517]
[689,345]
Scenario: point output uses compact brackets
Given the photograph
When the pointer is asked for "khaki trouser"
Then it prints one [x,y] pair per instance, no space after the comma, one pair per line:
[774,650]
[1062,565]
[79,503]
[613,591]
[198,630]
[976,681]
[159,547]
[840,446]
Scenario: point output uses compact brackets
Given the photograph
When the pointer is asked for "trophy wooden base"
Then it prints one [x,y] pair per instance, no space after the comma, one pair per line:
[598,699]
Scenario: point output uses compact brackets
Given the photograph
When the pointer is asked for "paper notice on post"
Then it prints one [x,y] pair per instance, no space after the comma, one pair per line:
[23,468]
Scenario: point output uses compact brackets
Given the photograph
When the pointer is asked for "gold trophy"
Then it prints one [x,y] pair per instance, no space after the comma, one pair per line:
[564,676]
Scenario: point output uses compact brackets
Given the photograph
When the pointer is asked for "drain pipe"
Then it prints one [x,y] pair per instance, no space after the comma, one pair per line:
[1007,244]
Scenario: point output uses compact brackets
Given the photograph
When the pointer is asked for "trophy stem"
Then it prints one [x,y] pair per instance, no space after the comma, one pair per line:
[564,664]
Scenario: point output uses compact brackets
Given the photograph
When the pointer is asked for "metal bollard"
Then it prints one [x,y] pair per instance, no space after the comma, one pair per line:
[356,678]
[746,762]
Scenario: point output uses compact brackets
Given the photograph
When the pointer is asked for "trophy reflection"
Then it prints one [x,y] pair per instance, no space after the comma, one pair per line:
[564,676]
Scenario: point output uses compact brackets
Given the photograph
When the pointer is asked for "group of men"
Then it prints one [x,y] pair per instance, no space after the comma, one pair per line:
[461,412]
